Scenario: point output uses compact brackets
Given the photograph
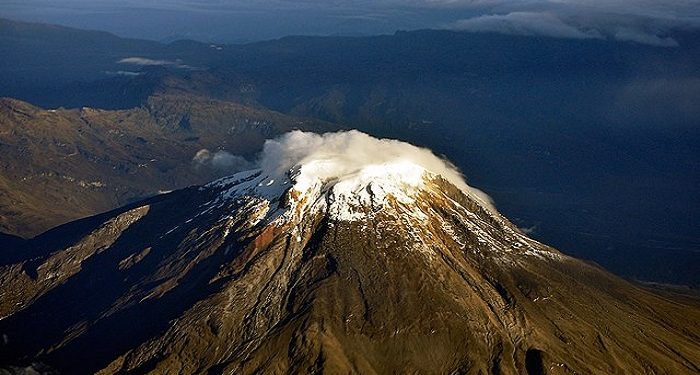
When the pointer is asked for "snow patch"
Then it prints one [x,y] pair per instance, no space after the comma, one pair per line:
[347,175]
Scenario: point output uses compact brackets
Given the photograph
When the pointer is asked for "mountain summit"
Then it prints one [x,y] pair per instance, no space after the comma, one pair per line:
[348,176]
[342,254]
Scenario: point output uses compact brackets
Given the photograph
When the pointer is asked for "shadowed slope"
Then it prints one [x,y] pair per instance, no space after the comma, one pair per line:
[233,277]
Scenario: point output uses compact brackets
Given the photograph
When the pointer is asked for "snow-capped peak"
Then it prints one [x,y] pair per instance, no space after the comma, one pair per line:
[344,174]
[347,197]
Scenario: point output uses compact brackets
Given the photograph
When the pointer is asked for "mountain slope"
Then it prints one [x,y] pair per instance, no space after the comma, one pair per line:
[530,118]
[326,261]
[60,165]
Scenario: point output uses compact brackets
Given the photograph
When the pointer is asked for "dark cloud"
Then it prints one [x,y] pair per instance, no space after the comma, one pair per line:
[640,21]
[653,101]
[640,36]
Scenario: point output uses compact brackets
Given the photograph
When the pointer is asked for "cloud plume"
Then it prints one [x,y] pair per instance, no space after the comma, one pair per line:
[344,155]
[221,160]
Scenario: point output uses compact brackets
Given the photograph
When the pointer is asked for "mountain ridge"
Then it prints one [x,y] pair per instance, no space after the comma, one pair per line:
[528,118]
[111,157]
[245,277]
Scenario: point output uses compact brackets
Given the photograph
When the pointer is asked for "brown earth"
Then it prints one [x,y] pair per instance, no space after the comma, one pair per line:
[187,283]
[60,165]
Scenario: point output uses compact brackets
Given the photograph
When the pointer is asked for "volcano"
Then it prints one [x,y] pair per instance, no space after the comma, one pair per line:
[342,254]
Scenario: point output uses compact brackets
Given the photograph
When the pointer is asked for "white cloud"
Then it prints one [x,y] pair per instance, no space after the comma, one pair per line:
[144,61]
[349,154]
[529,230]
[651,21]
[221,160]
[525,23]
[566,23]
[124,73]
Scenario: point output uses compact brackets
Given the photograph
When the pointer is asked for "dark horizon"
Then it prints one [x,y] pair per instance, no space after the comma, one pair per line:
[637,21]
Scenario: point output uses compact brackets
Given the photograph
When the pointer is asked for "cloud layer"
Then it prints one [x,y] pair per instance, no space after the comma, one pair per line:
[648,22]
[639,21]
[526,23]
[345,155]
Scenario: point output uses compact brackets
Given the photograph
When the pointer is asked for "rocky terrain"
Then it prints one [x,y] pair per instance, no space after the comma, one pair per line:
[328,262]
[591,144]
[59,165]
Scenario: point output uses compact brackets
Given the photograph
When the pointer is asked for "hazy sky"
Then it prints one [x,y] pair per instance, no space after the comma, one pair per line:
[639,21]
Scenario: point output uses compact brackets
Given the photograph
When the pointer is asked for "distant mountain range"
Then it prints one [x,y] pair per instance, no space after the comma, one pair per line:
[590,144]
